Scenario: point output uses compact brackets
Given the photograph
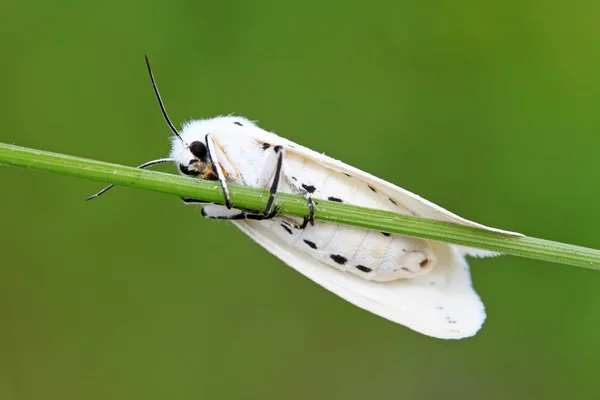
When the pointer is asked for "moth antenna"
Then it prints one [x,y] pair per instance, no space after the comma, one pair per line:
[144,165]
[160,102]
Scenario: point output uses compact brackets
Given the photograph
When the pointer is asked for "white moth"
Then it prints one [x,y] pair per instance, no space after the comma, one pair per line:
[422,284]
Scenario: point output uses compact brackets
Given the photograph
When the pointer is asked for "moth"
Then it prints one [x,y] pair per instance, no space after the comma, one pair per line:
[421,284]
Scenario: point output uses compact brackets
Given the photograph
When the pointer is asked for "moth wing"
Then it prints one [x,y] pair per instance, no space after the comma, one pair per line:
[440,304]
[420,206]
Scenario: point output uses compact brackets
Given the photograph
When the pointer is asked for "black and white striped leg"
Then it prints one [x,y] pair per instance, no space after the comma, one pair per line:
[217,211]
[143,166]
[310,219]
[212,156]
[276,179]
[311,213]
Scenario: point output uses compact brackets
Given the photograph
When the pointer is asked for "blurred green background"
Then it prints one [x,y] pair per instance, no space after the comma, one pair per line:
[488,109]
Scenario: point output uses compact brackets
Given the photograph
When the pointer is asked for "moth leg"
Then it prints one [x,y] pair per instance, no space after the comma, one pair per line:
[217,211]
[270,175]
[305,222]
[188,201]
[275,161]
[307,195]
[311,213]
[261,217]
[276,179]
[212,156]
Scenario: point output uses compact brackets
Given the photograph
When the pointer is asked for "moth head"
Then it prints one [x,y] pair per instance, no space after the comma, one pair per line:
[189,150]
[192,159]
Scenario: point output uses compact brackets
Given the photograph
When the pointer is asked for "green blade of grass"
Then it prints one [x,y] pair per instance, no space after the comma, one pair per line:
[256,199]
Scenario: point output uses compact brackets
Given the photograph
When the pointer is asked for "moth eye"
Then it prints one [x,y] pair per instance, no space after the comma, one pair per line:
[238,123]
[198,149]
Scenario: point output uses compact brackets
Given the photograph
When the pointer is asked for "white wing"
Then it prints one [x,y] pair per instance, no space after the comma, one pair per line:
[441,303]
[420,206]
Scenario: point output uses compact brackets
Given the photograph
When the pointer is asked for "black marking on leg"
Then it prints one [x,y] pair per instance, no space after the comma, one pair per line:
[275,184]
[393,202]
[331,198]
[261,217]
[309,188]
[288,230]
[217,167]
[266,146]
[241,215]
[311,211]
[310,244]
[187,200]
[338,259]
[304,223]
[363,268]
[372,188]
[189,172]
[386,234]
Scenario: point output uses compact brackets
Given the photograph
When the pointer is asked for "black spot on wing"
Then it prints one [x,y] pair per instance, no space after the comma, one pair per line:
[386,234]
[348,175]
[309,188]
[266,146]
[288,230]
[363,268]
[331,198]
[372,188]
[277,149]
[238,123]
[310,244]
[393,202]
[338,259]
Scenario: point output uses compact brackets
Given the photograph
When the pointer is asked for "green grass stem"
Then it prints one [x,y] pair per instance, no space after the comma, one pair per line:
[256,199]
